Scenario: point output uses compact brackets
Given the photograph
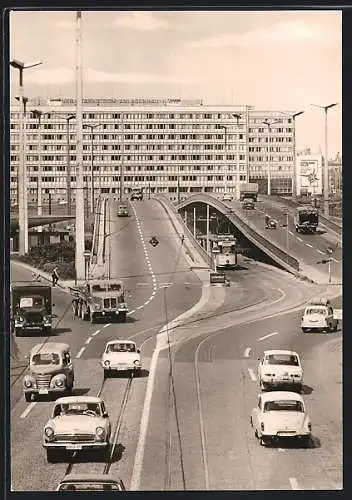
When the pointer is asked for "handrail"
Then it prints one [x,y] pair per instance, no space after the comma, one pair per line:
[283,258]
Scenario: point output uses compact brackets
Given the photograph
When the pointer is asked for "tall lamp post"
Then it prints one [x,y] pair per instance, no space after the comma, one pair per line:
[269,125]
[237,116]
[225,152]
[22,171]
[326,165]
[122,171]
[294,178]
[92,127]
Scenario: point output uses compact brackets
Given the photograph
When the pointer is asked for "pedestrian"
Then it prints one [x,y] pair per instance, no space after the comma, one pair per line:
[55,277]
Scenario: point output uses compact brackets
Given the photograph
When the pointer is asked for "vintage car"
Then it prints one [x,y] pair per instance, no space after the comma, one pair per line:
[121,355]
[319,316]
[122,211]
[281,414]
[50,370]
[90,482]
[280,368]
[227,197]
[77,423]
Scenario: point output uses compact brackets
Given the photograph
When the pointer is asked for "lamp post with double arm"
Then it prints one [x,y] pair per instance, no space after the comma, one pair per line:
[92,189]
[22,170]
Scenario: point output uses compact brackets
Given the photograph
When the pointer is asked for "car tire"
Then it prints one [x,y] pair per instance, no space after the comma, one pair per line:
[106,374]
[264,442]
[53,456]
[335,327]
[298,388]
[28,396]
[264,387]
[46,330]
[18,332]
[304,330]
[122,317]
[306,441]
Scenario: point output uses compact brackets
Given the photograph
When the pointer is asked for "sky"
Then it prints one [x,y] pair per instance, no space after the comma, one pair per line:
[274,60]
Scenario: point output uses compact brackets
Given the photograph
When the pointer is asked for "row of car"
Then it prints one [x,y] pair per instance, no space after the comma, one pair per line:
[280,414]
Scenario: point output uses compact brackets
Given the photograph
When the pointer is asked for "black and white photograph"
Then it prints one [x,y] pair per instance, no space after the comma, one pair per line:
[175,250]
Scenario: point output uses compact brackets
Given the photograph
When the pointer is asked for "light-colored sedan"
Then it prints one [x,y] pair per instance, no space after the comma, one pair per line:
[280,368]
[227,197]
[319,316]
[90,482]
[77,423]
[121,355]
[279,415]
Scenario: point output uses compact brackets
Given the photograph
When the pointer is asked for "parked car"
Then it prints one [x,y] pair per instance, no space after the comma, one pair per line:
[77,423]
[50,370]
[90,482]
[279,415]
[227,197]
[319,316]
[121,355]
[279,368]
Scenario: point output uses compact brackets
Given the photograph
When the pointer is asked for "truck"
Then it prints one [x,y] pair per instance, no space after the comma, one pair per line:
[98,300]
[306,219]
[248,204]
[136,194]
[31,308]
[249,190]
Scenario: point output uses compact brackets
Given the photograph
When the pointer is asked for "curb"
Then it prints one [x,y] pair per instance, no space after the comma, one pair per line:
[41,274]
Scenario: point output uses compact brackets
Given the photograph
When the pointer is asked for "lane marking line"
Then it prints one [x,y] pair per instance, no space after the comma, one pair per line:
[95,333]
[108,324]
[88,340]
[252,374]
[247,352]
[140,307]
[320,251]
[80,352]
[28,409]
[299,239]
[294,483]
[335,260]
[308,245]
[291,232]
[143,284]
[267,336]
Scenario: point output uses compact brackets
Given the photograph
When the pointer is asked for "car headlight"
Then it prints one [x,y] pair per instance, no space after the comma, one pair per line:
[47,319]
[20,319]
[99,431]
[59,382]
[309,426]
[137,362]
[107,362]
[262,426]
[49,432]
[28,383]
[97,307]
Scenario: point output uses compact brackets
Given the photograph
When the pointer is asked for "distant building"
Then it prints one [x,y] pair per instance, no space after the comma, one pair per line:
[335,175]
[309,175]
[159,143]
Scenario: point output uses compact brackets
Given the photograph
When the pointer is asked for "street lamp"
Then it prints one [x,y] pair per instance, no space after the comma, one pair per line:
[122,172]
[326,166]
[225,162]
[22,171]
[269,125]
[92,127]
[237,116]
[294,178]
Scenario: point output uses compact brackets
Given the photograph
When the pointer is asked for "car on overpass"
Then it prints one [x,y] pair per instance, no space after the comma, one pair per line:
[227,197]
[280,368]
[122,210]
[281,415]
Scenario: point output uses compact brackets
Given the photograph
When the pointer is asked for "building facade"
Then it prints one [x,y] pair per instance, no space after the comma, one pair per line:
[161,145]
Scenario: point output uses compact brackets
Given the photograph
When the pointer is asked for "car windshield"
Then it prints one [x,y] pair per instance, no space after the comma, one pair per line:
[90,409]
[46,359]
[31,302]
[282,359]
[89,486]
[282,405]
[121,347]
[316,310]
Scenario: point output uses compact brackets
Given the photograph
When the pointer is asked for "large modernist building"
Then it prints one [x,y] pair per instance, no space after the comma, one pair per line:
[158,144]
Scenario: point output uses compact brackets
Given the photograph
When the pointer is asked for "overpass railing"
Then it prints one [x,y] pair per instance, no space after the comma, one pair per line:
[189,237]
[277,253]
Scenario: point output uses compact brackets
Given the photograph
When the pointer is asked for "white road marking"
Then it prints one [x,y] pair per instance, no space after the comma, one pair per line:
[142,284]
[247,352]
[108,324]
[131,312]
[291,232]
[294,483]
[320,251]
[335,260]
[95,333]
[140,307]
[267,336]
[28,409]
[80,352]
[88,340]
[252,375]
[299,239]
[308,245]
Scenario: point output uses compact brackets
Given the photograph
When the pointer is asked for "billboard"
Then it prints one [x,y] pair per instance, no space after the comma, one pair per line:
[309,175]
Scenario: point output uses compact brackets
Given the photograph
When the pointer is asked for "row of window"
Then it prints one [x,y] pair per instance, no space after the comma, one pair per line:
[270,158]
[106,158]
[142,116]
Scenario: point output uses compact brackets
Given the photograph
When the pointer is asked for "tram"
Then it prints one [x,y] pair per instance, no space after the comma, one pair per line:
[226,257]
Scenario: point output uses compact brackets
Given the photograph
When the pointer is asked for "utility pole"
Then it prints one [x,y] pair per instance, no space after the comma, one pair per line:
[80,245]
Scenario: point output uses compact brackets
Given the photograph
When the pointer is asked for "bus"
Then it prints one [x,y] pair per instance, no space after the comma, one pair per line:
[226,256]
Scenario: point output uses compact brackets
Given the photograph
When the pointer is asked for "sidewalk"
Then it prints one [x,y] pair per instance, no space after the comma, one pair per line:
[63,284]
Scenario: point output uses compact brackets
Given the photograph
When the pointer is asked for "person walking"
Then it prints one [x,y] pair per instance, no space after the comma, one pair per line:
[55,277]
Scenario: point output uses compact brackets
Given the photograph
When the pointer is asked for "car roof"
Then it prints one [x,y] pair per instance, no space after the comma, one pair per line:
[280,351]
[279,395]
[52,347]
[88,477]
[79,399]
[319,301]
[120,341]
